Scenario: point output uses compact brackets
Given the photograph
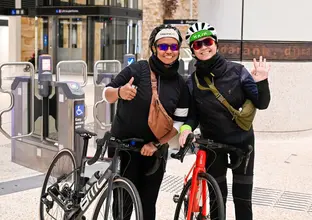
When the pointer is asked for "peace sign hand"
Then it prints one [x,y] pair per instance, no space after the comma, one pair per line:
[260,71]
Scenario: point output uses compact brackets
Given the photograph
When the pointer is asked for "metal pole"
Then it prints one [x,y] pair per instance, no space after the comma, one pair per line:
[36,42]
[128,37]
[36,34]
[242,30]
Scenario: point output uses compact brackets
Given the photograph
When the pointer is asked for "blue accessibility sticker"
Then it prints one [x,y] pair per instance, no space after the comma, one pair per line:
[79,110]
[130,60]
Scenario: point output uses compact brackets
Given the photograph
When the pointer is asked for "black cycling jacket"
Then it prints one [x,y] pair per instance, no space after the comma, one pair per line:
[236,84]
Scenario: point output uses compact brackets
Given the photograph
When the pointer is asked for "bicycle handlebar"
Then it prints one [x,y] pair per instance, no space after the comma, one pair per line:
[183,150]
[128,144]
[209,144]
[99,148]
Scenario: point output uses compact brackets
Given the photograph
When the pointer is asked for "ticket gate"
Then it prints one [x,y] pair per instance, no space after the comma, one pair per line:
[36,151]
[103,113]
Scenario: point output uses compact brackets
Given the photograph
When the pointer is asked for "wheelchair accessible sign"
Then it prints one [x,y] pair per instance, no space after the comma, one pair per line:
[79,113]
[79,110]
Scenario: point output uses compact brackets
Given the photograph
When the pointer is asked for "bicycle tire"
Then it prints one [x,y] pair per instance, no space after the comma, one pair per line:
[210,180]
[126,184]
[62,153]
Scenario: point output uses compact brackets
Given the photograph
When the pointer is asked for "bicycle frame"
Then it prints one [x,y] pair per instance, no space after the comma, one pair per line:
[95,190]
[198,167]
[105,180]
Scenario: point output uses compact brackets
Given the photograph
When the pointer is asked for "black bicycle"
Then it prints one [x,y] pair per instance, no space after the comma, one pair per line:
[68,189]
[199,186]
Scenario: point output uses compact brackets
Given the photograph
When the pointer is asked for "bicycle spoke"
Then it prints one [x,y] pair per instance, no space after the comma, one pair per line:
[59,182]
[208,201]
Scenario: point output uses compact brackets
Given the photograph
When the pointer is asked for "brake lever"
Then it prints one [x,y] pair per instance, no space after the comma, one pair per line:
[160,154]
[183,151]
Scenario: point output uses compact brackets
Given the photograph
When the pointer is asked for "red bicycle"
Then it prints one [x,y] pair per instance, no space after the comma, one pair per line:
[201,186]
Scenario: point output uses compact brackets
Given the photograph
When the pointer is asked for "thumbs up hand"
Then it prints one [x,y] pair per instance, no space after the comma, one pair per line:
[128,91]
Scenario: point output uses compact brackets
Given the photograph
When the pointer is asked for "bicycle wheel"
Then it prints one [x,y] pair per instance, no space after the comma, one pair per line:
[61,177]
[121,207]
[216,205]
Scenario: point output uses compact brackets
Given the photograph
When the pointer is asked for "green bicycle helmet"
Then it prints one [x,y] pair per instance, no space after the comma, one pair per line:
[199,30]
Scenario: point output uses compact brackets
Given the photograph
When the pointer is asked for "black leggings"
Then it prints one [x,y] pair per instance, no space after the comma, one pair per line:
[242,183]
[134,166]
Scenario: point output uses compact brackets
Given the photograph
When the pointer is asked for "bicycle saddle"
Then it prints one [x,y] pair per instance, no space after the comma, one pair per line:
[85,133]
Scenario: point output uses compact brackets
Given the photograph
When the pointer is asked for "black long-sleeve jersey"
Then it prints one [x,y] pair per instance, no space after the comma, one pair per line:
[131,119]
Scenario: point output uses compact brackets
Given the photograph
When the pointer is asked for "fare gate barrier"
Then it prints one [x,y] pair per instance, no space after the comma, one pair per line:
[37,152]
[21,107]
[21,88]
[103,113]
[71,108]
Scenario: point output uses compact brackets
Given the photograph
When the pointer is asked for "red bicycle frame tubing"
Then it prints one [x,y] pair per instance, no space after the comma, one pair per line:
[199,167]
[187,176]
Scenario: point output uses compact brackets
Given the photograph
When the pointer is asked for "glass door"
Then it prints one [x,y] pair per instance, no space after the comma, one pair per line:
[70,41]
[112,38]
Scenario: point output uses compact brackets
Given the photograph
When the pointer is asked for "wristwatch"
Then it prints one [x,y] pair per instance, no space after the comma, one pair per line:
[157,144]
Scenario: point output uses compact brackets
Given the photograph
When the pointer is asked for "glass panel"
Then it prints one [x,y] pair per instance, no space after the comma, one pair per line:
[77,33]
[43,28]
[101,2]
[123,3]
[136,4]
[71,42]
[63,33]
[61,2]
[99,39]
[109,39]
[139,4]
[79,2]
[120,42]
[133,37]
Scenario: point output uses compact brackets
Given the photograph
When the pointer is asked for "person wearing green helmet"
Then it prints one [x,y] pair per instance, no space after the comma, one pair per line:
[216,122]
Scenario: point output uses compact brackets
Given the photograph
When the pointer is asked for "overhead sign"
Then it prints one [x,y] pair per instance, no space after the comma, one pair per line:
[17,11]
[180,21]
[88,10]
